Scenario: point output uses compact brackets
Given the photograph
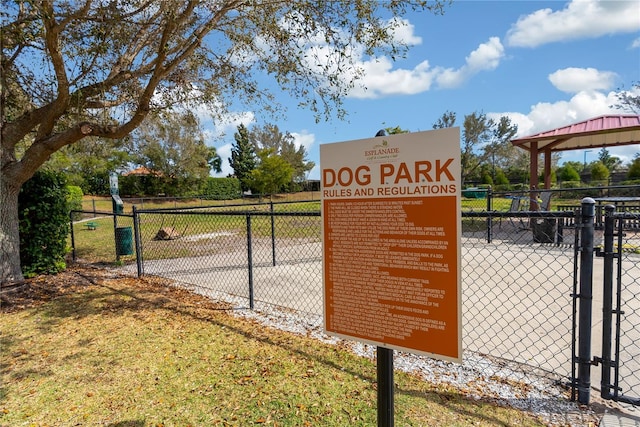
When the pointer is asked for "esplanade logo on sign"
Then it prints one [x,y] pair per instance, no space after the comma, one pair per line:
[381,151]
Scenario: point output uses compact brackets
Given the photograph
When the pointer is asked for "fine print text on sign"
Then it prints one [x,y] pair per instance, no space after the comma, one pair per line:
[391,237]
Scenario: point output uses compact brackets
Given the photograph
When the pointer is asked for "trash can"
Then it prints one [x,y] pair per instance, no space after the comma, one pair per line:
[124,241]
[543,229]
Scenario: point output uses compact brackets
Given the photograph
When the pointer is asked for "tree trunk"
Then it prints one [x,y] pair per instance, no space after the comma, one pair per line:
[10,270]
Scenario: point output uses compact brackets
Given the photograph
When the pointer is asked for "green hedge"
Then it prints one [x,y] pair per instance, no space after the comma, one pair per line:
[74,200]
[222,189]
[44,223]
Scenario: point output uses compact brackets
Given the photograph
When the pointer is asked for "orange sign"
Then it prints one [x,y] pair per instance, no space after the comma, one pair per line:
[391,241]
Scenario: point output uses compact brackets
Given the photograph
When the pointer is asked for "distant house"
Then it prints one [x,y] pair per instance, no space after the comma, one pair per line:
[142,171]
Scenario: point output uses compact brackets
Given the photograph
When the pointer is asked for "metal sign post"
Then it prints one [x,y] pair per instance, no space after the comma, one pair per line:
[385,387]
[384,370]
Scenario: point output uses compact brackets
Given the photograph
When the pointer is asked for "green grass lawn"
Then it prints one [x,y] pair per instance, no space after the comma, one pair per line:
[106,350]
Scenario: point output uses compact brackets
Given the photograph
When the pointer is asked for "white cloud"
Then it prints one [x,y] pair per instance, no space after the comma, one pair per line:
[376,77]
[380,79]
[573,80]
[225,154]
[635,44]
[525,124]
[579,19]
[450,78]
[486,57]
[403,32]
[303,138]
[545,116]
[314,173]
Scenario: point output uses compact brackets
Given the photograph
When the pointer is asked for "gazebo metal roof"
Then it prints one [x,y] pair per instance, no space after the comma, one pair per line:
[603,131]
[597,132]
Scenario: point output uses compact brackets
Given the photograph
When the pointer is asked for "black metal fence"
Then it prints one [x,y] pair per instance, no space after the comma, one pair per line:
[521,288]
[620,359]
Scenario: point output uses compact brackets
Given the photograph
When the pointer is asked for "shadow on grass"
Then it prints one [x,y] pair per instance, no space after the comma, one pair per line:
[457,403]
[140,295]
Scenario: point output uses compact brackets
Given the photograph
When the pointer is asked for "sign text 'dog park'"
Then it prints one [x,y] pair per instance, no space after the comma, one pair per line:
[391,233]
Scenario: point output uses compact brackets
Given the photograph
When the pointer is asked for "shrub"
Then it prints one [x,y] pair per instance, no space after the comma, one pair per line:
[567,173]
[501,178]
[222,189]
[571,184]
[74,200]
[486,178]
[634,169]
[599,172]
[44,223]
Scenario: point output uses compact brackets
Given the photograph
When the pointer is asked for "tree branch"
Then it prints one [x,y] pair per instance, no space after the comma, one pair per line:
[52,41]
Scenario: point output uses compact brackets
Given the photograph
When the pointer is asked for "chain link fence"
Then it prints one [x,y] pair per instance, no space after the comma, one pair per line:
[259,255]
[518,282]
[621,309]
[627,381]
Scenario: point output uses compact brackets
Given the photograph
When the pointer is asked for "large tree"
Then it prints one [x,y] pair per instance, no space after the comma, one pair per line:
[171,144]
[612,163]
[77,69]
[629,100]
[88,162]
[484,142]
[447,120]
[499,152]
[270,137]
[243,157]
[271,173]
[634,168]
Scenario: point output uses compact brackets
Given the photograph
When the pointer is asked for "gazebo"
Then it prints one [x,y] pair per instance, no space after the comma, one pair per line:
[603,131]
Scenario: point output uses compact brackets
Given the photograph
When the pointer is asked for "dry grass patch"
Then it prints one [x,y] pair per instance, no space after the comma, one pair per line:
[89,347]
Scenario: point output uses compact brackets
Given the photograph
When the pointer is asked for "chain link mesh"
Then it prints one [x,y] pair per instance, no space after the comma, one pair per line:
[518,276]
[627,295]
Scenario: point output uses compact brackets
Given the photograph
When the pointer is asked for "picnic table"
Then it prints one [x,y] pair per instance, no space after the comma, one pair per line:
[622,204]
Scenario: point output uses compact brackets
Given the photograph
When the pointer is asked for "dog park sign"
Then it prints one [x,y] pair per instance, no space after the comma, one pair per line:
[391,241]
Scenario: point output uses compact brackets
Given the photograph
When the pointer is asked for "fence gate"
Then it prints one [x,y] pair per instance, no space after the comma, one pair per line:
[620,361]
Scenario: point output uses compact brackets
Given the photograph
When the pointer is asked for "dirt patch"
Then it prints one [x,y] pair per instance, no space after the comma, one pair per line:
[41,289]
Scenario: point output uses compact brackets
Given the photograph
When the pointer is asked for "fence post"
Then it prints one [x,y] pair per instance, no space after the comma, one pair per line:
[607,301]
[250,261]
[586,299]
[489,219]
[138,243]
[273,236]
[73,240]
[115,233]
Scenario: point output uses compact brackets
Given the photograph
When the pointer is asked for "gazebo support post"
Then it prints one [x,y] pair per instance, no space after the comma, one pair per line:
[533,176]
[547,169]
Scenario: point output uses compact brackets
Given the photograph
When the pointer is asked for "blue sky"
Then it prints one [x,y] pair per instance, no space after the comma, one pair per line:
[545,64]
